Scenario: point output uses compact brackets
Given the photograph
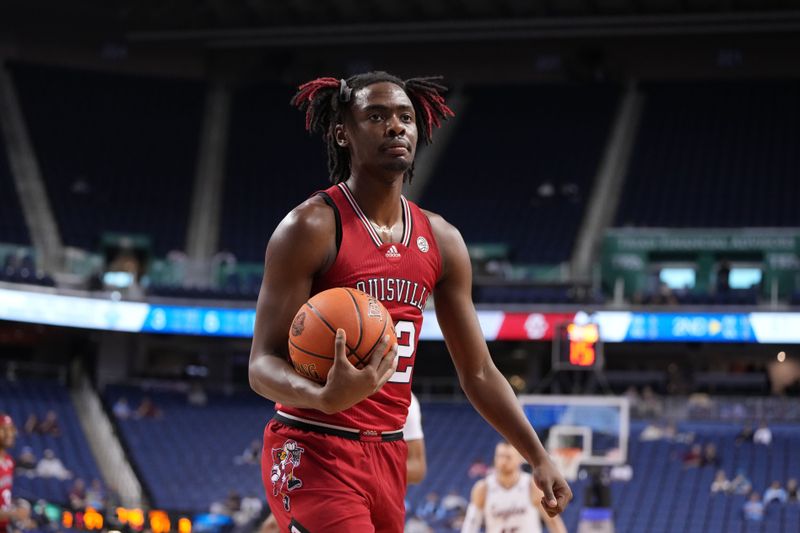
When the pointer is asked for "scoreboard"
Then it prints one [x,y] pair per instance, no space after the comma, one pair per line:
[577,346]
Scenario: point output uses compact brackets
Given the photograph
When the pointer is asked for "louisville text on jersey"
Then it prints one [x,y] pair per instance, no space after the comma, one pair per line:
[395,290]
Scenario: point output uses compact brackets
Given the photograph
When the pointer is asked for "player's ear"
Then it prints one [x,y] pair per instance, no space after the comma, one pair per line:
[340,135]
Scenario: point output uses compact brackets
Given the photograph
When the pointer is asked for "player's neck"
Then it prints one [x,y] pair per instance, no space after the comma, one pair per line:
[507,480]
[378,198]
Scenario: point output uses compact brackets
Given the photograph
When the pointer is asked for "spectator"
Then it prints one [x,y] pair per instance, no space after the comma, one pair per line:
[121,409]
[51,466]
[745,435]
[632,395]
[478,469]
[249,511]
[148,409]
[96,496]
[663,296]
[416,524]
[650,405]
[46,426]
[653,431]
[723,277]
[197,395]
[740,484]
[453,502]
[693,457]
[429,509]
[791,490]
[710,457]
[763,435]
[721,483]
[77,495]
[26,462]
[775,492]
[700,405]
[753,508]
[251,455]
[230,507]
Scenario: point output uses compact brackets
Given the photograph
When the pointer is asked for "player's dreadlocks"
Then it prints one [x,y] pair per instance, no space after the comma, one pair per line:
[325,99]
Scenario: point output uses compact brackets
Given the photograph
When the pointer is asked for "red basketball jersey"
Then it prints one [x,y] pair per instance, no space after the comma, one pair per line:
[6,482]
[401,275]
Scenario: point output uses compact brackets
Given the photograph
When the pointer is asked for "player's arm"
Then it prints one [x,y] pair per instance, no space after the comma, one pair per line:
[302,246]
[484,385]
[477,501]
[554,523]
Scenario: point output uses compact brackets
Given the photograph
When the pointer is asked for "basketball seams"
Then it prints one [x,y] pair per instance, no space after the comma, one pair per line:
[380,338]
[315,347]
[362,361]
[327,324]
[298,348]
[350,351]
[360,319]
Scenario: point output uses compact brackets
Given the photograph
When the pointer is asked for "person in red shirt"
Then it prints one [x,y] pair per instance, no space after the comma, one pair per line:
[8,511]
[334,458]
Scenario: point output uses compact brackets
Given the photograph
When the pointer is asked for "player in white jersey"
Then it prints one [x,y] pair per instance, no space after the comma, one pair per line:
[416,465]
[508,500]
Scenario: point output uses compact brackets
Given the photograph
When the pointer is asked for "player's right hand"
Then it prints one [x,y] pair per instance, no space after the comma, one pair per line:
[557,493]
[347,385]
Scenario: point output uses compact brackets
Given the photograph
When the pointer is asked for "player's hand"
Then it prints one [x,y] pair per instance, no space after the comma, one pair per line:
[557,493]
[347,385]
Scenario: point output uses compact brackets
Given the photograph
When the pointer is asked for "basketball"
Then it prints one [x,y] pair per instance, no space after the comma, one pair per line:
[313,332]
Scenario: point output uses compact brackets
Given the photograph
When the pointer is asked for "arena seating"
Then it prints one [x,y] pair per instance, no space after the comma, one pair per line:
[186,458]
[12,224]
[520,166]
[23,398]
[20,267]
[715,154]
[273,164]
[117,152]
[186,465]
[662,497]
[489,294]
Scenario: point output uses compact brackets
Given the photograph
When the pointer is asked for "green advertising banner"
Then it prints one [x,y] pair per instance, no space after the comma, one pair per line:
[635,256]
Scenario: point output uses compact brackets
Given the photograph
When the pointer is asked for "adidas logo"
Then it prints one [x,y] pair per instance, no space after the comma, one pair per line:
[392,252]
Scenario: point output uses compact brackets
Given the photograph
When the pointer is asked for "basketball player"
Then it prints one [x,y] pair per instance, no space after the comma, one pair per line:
[508,499]
[334,458]
[8,511]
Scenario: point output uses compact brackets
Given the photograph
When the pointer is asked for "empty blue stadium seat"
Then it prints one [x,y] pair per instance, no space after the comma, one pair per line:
[715,154]
[521,174]
[273,165]
[129,167]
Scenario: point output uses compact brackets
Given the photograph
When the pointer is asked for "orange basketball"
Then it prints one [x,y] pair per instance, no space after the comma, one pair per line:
[311,337]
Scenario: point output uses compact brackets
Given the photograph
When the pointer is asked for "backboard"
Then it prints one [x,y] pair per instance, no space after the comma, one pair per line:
[581,430]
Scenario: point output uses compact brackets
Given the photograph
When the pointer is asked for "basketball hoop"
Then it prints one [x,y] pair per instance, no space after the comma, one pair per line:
[568,460]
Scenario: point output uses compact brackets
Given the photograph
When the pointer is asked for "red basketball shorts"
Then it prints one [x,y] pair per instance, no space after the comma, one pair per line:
[320,483]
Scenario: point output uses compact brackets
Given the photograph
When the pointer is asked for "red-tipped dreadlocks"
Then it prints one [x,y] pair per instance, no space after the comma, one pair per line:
[308,91]
[427,94]
[325,99]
